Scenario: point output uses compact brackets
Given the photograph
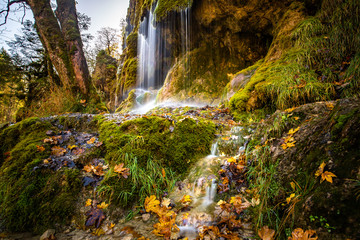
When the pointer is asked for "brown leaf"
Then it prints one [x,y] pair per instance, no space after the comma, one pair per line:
[123,171]
[58,151]
[299,234]
[265,233]
[78,151]
[95,217]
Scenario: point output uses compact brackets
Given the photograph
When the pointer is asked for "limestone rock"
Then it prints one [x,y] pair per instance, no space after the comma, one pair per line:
[48,235]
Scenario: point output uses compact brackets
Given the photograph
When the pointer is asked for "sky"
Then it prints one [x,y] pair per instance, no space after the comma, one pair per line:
[104,13]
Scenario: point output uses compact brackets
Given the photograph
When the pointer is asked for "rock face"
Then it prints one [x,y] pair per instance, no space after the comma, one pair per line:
[325,133]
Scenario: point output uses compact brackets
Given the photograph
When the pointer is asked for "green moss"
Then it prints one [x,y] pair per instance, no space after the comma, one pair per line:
[166,144]
[163,7]
[130,73]
[32,198]
[128,104]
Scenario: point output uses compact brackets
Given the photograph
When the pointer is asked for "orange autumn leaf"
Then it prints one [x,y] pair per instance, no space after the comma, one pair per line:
[123,171]
[83,101]
[327,176]
[40,148]
[265,233]
[88,168]
[151,204]
[91,141]
[58,151]
[300,234]
[163,172]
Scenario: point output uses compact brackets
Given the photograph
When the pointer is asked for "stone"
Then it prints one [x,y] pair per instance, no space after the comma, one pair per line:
[145,217]
[48,235]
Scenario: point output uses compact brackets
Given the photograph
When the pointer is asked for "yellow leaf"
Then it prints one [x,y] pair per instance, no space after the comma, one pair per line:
[71,147]
[225,138]
[88,202]
[288,200]
[327,176]
[103,205]
[231,160]
[296,118]
[289,110]
[91,141]
[292,131]
[320,169]
[46,161]
[111,225]
[165,202]
[82,101]
[151,203]
[186,199]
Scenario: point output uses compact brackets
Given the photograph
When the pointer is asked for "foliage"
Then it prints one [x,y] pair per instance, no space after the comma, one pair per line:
[163,7]
[317,61]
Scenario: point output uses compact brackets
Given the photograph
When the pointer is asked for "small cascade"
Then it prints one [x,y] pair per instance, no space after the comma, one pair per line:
[214,150]
[210,194]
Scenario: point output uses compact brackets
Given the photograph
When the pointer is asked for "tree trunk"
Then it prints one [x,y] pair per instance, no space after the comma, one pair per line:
[66,13]
[52,38]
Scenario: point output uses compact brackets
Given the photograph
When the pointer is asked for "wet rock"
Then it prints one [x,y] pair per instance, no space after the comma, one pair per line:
[146,217]
[48,235]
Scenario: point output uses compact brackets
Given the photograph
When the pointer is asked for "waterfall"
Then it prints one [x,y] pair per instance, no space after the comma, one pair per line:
[147,43]
[154,49]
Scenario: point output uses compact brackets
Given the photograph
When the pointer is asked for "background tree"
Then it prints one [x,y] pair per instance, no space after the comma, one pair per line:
[108,39]
[60,35]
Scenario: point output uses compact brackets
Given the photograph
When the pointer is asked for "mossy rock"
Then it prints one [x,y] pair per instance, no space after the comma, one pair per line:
[167,144]
[328,133]
[32,198]
[128,104]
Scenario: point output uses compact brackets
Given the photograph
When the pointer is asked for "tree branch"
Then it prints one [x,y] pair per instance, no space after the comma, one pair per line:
[7,10]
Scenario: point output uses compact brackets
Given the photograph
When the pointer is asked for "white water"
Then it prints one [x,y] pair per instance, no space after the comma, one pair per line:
[147,39]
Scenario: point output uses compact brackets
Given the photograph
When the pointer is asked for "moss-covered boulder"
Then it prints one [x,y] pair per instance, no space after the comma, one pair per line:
[33,198]
[305,62]
[291,148]
[128,104]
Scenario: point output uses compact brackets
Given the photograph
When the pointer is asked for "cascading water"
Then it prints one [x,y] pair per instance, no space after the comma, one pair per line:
[154,50]
[147,40]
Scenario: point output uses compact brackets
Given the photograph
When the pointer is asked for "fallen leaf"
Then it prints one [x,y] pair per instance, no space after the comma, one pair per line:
[151,203]
[58,151]
[83,101]
[265,233]
[123,171]
[40,148]
[293,131]
[91,141]
[186,199]
[165,202]
[95,217]
[88,202]
[163,173]
[103,205]
[71,147]
[327,176]
[299,234]
[78,151]
[288,200]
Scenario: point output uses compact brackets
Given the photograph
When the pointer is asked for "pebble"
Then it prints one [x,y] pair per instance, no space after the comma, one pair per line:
[48,235]
[145,217]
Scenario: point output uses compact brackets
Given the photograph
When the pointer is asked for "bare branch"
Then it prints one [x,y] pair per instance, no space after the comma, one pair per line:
[7,10]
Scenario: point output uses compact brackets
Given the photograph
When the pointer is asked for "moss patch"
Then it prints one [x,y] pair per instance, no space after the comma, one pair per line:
[167,144]
[31,198]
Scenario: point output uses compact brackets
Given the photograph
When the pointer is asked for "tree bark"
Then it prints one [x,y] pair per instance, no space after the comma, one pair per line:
[66,13]
[53,40]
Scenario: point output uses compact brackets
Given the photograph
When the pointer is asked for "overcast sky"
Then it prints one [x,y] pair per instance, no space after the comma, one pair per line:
[104,13]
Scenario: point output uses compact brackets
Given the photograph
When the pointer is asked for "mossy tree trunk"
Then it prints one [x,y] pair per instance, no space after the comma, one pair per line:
[62,42]
[66,13]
